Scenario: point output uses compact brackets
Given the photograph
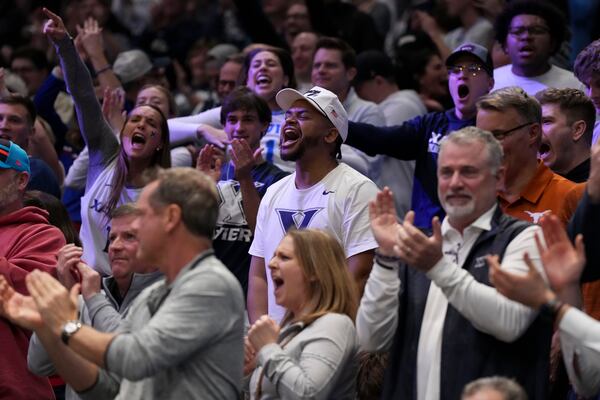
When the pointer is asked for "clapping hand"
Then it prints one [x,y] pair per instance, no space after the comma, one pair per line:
[210,162]
[19,309]
[264,331]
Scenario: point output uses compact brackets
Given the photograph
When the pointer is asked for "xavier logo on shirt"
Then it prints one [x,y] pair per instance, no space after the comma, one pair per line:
[299,219]
[231,211]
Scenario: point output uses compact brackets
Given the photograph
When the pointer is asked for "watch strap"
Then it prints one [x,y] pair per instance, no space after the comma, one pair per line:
[66,333]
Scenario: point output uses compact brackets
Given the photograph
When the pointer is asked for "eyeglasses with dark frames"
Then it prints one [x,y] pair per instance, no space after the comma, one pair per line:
[499,135]
[473,69]
[535,30]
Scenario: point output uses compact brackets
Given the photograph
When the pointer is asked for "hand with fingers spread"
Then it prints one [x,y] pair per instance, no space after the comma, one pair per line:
[212,135]
[417,249]
[209,162]
[56,305]
[244,159]
[384,222]
[90,280]
[529,289]
[264,331]
[90,37]
[19,309]
[54,27]
[66,266]
[562,262]
[113,108]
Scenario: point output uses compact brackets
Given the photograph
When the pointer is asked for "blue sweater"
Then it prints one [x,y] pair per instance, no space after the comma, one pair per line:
[417,139]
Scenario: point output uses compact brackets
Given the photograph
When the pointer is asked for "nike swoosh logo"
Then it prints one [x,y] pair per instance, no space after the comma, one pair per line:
[326,192]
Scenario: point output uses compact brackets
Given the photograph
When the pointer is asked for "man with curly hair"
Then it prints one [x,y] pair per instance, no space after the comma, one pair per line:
[531,32]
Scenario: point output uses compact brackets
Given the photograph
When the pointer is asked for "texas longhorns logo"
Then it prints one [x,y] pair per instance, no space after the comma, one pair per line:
[536,216]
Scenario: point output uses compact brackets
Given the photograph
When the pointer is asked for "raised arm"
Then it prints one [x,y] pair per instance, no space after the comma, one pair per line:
[99,138]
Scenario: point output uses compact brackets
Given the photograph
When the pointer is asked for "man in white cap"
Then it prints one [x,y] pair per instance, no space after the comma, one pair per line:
[322,193]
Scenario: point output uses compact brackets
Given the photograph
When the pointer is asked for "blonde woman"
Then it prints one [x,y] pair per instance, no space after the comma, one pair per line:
[313,354]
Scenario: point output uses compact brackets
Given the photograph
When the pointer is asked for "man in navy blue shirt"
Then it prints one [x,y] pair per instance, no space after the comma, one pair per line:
[470,72]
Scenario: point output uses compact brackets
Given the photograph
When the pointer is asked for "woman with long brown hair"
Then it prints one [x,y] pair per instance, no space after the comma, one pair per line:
[115,173]
[314,352]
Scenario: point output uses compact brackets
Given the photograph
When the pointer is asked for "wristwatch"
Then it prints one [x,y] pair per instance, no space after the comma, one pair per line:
[68,330]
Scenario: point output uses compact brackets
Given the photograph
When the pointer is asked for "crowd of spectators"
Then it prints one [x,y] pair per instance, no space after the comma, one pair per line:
[300,199]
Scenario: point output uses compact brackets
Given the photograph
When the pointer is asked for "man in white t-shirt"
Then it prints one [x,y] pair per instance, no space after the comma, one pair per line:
[320,194]
[531,32]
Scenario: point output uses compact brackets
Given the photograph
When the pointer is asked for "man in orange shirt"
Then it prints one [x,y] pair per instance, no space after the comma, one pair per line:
[531,190]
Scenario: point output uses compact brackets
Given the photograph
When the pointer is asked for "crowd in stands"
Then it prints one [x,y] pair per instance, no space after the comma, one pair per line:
[294,199]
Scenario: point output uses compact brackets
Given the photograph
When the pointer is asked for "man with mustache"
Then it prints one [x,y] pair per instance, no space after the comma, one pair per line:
[470,76]
[531,32]
[429,299]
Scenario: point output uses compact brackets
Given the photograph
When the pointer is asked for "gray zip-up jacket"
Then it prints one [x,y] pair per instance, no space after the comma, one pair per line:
[101,311]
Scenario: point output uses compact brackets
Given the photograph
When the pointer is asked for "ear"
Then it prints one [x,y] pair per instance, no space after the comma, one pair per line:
[351,73]
[264,129]
[331,135]
[22,181]
[171,217]
[535,134]
[491,84]
[579,128]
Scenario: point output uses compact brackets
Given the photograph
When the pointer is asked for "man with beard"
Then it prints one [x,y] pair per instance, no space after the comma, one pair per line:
[470,72]
[321,194]
[27,242]
[429,299]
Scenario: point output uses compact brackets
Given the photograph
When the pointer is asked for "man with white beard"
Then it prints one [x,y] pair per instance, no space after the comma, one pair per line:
[429,299]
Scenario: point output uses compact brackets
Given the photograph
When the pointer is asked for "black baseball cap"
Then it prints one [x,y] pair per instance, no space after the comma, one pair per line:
[478,51]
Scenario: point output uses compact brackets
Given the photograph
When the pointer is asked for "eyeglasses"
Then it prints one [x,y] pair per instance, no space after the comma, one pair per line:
[531,30]
[499,135]
[473,69]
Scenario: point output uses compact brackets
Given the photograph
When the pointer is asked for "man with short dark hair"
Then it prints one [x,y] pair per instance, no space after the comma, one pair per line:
[568,118]
[334,68]
[27,243]
[242,181]
[531,32]
[587,70]
[17,118]
[32,66]
[321,194]
[182,337]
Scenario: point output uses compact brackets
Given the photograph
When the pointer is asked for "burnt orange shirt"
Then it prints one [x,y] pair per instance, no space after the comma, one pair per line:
[546,193]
